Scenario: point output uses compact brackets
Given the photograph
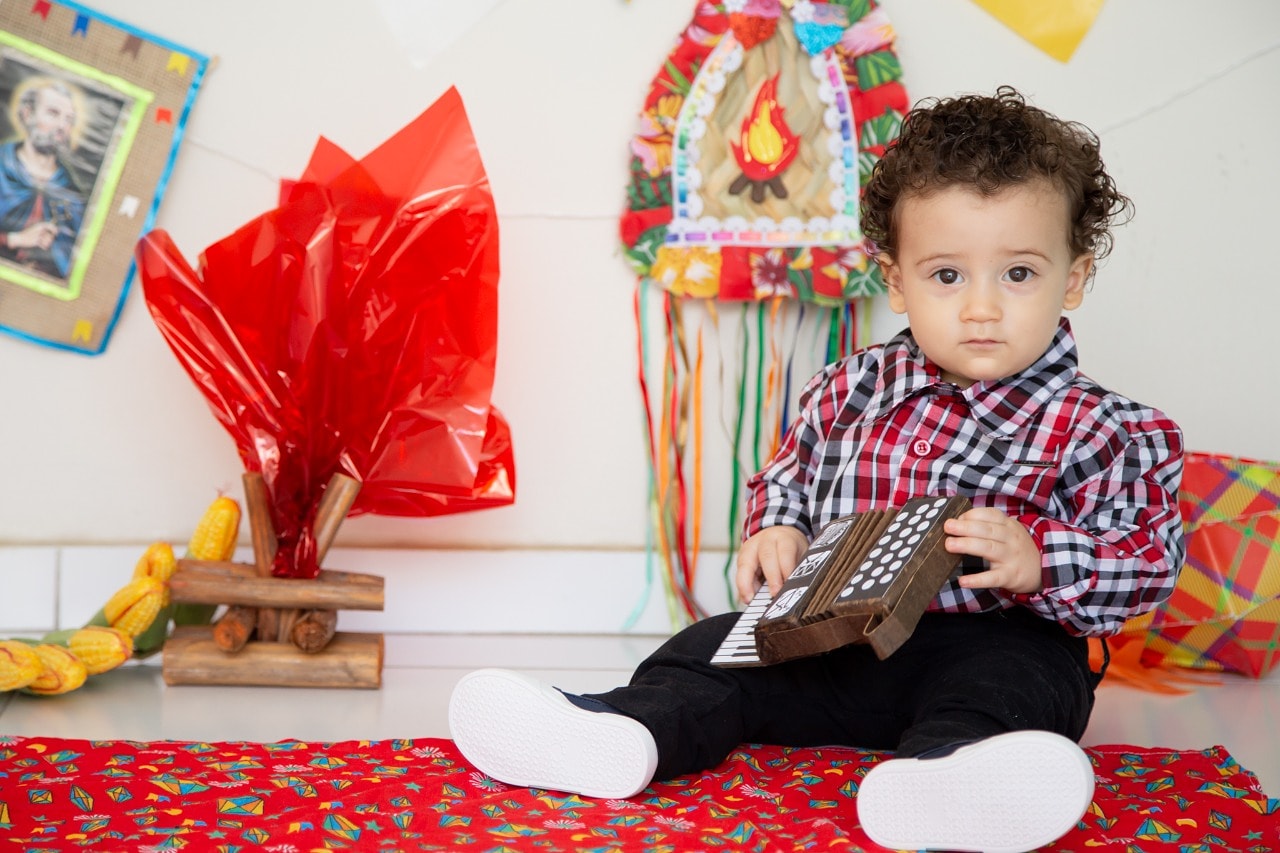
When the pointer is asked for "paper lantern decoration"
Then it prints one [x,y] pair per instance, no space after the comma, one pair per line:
[753,144]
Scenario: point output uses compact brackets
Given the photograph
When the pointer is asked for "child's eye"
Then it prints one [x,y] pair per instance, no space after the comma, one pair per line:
[1020,275]
[946,276]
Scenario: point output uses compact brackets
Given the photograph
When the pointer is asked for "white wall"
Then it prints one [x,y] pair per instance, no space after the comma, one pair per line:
[121,448]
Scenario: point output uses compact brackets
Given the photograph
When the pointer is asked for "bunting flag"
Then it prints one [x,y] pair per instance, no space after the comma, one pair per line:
[1054,26]
[96,110]
[742,221]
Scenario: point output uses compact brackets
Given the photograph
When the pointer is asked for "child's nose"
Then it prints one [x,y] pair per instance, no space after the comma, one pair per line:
[981,303]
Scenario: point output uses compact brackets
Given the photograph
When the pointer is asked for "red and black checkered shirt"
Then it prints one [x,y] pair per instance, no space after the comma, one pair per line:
[1092,475]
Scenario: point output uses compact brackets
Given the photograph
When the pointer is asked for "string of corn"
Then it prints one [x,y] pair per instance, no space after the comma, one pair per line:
[213,539]
[100,648]
[134,621]
[62,672]
[19,664]
[215,536]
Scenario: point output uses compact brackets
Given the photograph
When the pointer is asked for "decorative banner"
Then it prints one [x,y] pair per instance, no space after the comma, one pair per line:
[753,144]
[95,113]
[1055,26]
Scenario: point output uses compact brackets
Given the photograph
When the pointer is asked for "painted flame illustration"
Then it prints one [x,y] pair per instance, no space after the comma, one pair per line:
[767,144]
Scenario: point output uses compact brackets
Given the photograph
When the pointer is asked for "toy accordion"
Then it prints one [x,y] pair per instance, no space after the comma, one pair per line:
[866,578]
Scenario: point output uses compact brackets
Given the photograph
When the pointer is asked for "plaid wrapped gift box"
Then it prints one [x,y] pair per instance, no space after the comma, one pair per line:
[1224,613]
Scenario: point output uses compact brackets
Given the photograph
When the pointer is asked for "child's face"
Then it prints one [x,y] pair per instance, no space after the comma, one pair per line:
[984,280]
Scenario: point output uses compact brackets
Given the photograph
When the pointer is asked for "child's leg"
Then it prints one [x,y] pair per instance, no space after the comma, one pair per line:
[522,732]
[699,713]
[678,715]
[1001,701]
[978,676]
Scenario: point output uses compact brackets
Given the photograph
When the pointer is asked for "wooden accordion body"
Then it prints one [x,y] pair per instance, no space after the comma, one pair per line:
[866,578]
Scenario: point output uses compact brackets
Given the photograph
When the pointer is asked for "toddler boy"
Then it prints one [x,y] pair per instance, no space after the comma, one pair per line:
[987,215]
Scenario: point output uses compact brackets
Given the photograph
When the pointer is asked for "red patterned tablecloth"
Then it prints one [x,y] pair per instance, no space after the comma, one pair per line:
[400,795]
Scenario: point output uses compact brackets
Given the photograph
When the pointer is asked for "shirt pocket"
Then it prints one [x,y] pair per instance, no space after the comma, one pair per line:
[1022,481]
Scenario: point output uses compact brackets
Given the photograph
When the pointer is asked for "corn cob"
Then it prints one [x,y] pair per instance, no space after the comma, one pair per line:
[134,606]
[62,672]
[157,562]
[99,648]
[19,664]
[214,539]
[215,536]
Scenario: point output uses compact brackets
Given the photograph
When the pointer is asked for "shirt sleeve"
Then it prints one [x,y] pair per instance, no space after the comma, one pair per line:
[781,492]
[1120,554]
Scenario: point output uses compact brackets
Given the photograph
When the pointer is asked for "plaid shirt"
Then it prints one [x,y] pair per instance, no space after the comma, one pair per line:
[1092,475]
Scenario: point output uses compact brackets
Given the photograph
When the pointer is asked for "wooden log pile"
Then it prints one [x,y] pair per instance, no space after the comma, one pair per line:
[277,631]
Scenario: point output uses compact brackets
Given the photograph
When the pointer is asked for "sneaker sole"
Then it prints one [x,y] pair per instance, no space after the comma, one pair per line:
[1007,794]
[526,733]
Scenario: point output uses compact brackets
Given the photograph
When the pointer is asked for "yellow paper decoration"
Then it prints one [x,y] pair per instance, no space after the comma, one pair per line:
[1055,26]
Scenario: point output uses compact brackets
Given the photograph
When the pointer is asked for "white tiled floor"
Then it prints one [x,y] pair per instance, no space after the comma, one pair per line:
[134,703]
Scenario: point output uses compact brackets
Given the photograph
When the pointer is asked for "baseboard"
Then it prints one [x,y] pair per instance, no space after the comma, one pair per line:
[427,591]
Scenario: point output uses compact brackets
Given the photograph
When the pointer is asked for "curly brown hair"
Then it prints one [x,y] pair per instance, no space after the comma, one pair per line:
[987,144]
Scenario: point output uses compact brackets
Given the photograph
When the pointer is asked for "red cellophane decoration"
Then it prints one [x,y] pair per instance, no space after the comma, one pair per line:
[353,329]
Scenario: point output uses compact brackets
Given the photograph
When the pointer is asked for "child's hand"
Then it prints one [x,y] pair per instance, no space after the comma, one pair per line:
[1010,552]
[769,556]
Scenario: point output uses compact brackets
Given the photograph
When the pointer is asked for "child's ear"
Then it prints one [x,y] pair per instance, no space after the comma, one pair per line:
[892,275]
[1077,278]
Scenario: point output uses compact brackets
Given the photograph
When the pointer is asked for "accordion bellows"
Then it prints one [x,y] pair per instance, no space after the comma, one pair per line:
[866,578]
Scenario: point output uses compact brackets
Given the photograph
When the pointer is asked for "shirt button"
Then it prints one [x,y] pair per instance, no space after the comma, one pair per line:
[921,447]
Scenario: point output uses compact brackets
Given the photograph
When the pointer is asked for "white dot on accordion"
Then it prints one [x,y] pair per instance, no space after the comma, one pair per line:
[897,566]
[866,586]
[886,578]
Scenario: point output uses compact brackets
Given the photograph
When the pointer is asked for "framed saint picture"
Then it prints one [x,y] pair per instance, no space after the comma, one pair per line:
[91,114]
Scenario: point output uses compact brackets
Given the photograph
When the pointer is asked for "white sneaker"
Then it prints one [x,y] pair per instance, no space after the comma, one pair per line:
[1005,794]
[526,733]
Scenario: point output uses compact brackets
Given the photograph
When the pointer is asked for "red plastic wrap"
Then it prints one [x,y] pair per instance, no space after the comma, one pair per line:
[353,329]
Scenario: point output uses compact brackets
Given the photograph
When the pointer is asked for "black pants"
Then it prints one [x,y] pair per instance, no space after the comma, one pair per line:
[958,678]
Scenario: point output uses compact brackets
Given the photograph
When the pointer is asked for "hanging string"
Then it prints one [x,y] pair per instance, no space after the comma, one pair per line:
[759,389]
[681,574]
[643,336]
[774,405]
[735,463]
[785,422]
[695,545]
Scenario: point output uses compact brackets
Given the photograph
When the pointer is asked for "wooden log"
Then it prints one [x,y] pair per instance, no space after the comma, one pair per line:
[314,629]
[350,660]
[339,494]
[310,630]
[213,582]
[265,544]
[261,530]
[235,627]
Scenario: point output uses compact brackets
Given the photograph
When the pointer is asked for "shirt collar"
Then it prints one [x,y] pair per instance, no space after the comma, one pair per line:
[1001,406]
